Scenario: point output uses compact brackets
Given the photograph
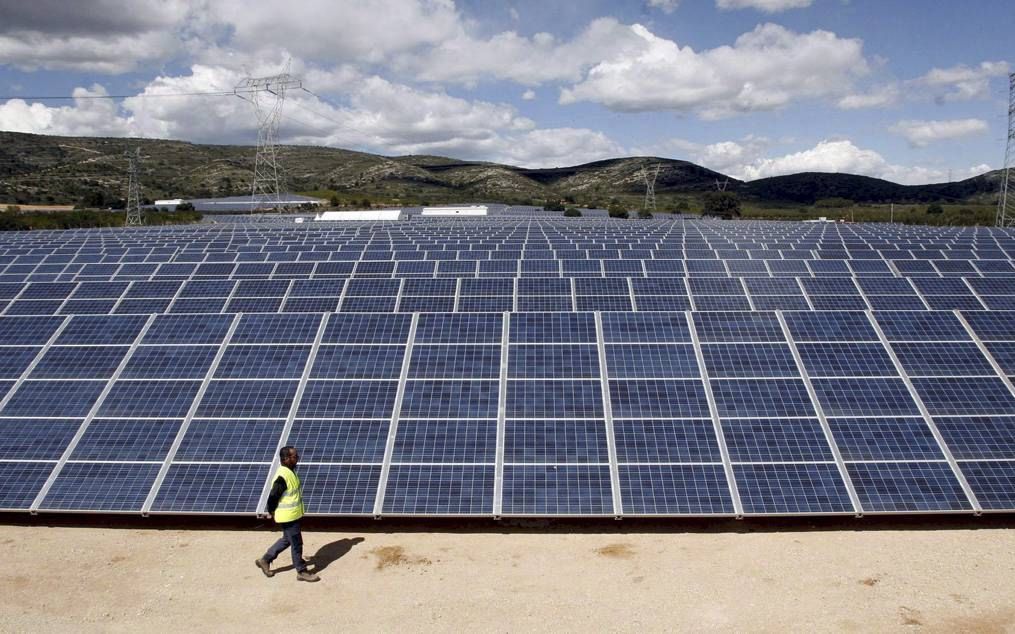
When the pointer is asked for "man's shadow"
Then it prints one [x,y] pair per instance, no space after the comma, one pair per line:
[327,554]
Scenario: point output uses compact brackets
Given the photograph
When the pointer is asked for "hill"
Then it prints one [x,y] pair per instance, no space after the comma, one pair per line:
[37,169]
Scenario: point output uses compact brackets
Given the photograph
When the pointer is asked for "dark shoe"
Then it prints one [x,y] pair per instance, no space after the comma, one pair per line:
[265,567]
[306,575]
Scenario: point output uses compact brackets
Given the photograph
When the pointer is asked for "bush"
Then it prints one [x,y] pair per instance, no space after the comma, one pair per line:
[644,214]
[185,206]
[554,206]
[571,212]
[833,203]
[721,205]
[617,210]
[935,209]
[13,209]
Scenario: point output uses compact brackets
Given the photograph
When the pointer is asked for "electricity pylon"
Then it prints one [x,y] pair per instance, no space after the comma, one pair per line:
[1006,206]
[267,94]
[134,215]
[650,188]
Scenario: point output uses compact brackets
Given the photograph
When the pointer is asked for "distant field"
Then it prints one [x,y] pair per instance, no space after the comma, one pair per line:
[951,215]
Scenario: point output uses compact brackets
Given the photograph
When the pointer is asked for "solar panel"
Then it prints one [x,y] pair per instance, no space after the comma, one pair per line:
[510,365]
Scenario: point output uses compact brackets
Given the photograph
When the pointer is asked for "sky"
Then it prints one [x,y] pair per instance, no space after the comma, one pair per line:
[912,91]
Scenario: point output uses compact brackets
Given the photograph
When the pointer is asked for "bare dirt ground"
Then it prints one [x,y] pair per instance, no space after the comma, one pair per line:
[380,576]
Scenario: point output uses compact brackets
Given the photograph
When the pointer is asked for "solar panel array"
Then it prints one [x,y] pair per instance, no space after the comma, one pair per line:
[510,368]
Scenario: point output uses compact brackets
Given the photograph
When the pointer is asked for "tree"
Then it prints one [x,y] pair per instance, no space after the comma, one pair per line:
[721,205]
[645,214]
[571,212]
[185,206]
[553,205]
[935,208]
[335,202]
[616,210]
[833,203]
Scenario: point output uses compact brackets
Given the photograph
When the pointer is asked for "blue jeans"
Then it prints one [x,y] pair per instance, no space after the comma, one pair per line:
[291,537]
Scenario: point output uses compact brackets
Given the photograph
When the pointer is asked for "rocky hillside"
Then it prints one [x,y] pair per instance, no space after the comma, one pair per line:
[66,170]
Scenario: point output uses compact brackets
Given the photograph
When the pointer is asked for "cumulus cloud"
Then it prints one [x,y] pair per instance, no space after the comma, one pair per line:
[103,36]
[528,61]
[765,69]
[529,95]
[87,117]
[767,6]
[843,156]
[878,97]
[923,133]
[963,83]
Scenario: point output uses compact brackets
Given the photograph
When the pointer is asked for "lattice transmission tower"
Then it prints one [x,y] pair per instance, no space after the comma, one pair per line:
[267,94]
[135,217]
[650,188]
[1006,203]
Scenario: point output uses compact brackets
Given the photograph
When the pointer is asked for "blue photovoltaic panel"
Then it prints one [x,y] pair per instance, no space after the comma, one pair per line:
[230,441]
[450,399]
[864,397]
[263,362]
[557,490]
[339,440]
[211,488]
[14,361]
[921,326]
[963,395]
[979,437]
[645,328]
[737,327]
[791,488]
[993,483]
[339,489]
[102,330]
[157,399]
[367,328]
[90,486]
[662,399]
[256,399]
[885,439]
[771,360]
[28,331]
[776,440]
[547,361]
[279,328]
[907,486]
[459,328]
[23,481]
[846,359]
[553,328]
[445,441]
[348,399]
[942,359]
[553,399]
[661,440]
[455,362]
[54,398]
[664,361]
[439,490]
[125,440]
[358,362]
[675,490]
[761,397]
[194,329]
[555,441]
[79,362]
[830,326]
[35,439]
[169,362]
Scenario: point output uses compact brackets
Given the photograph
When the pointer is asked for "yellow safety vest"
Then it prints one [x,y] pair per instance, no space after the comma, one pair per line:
[290,505]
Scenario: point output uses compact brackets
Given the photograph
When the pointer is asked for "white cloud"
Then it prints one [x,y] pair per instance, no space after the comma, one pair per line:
[963,83]
[87,117]
[528,61]
[767,6]
[878,97]
[923,133]
[365,30]
[842,156]
[102,36]
[765,69]
[667,6]
[529,95]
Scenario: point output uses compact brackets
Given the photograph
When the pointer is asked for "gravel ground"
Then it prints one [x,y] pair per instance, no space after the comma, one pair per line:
[378,577]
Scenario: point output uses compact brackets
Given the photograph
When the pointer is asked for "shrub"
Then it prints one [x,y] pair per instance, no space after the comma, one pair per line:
[185,206]
[554,206]
[571,212]
[644,214]
[935,208]
[833,203]
[721,205]
[617,210]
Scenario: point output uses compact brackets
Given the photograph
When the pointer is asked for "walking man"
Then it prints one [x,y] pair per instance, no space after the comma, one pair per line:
[285,502]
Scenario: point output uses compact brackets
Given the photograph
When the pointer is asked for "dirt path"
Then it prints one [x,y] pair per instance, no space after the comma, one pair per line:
[130,579]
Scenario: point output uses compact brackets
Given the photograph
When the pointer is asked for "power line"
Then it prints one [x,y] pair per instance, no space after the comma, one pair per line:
[137,96]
